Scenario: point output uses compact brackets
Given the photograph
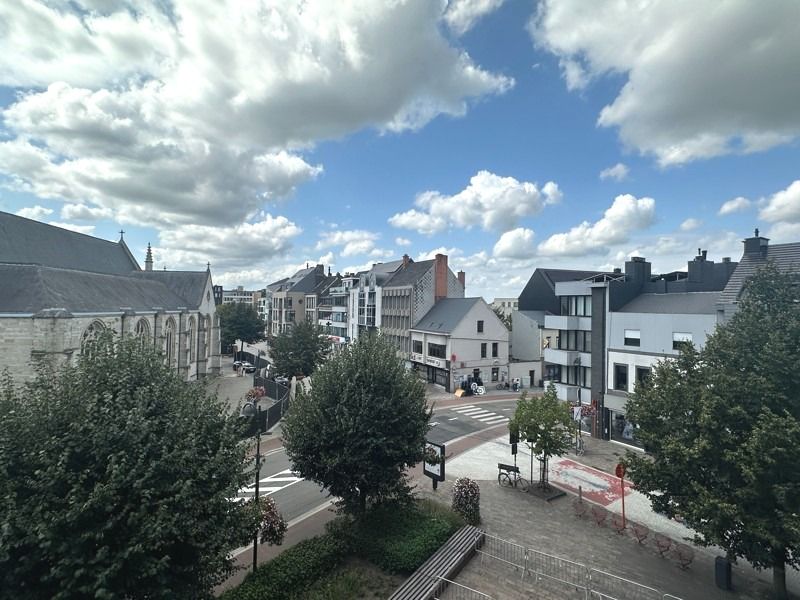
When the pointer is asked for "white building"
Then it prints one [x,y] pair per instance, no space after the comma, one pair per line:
[457,338]
[238,296]
[505,305]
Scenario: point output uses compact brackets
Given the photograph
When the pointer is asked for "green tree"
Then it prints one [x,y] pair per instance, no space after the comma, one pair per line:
[361,426]
[114,481]
[545,424]
[722,427]
[299,350]
[238,321]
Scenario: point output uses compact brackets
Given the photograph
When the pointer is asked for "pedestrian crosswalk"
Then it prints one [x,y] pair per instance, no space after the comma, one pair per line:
[268,485]
[481,414]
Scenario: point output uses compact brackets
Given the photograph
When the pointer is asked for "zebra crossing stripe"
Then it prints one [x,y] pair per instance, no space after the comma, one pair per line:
[460,408]
[495,420]
[483,413]
[490,417]
[467,410]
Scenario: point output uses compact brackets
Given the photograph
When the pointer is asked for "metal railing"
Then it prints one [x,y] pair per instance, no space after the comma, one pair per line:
[450,590]
[574,579]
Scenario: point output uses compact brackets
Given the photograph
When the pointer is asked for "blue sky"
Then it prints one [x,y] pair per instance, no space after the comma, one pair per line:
[508,134]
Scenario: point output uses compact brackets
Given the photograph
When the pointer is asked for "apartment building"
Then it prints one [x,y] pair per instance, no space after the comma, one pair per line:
[239,295]
[289,295]
[505,305]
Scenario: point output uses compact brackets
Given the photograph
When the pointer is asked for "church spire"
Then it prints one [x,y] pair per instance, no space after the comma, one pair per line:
[148,261]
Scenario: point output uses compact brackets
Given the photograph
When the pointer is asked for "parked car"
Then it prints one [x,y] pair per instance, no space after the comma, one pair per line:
[282,381]
[248,368]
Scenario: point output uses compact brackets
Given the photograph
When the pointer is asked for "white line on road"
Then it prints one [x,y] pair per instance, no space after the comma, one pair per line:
[492,417]
[453,419]
[483,413]
[467,407]
[471,411]
[495,420]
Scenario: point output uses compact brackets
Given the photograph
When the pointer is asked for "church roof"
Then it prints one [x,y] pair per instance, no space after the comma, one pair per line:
[26,241]
[189,285]
[29,289]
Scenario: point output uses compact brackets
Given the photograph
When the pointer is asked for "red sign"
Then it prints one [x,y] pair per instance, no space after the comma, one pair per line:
[620,470]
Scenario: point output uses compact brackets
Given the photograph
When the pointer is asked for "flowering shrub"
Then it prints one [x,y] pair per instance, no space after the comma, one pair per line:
[271,525]
[467,500]
[255,393]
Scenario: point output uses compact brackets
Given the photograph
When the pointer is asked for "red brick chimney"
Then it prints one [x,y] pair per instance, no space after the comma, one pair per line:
[462,277]
[440,277]
[405,260]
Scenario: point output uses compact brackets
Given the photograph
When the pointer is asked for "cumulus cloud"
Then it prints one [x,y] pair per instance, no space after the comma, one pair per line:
[625,216]
[431,254]
[619,172]
[86,213]
[698,82]
[783,205]
[517,243]
[37,213]
[739,204]
[461,15]
[401,241]
[781,233]
[690,224]
[201,112]
[490,201]
[353,242]
[87,229]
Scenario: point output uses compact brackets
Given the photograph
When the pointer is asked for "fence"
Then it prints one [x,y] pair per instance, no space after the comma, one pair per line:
[450,590]
[572,579]
[279,395]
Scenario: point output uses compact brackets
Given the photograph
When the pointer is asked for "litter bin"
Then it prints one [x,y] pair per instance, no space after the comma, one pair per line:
[722,573]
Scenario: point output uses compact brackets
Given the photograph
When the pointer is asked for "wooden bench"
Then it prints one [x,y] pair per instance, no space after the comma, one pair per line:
[446,562]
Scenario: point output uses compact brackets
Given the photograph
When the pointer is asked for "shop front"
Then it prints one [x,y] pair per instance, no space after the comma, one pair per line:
[432,369]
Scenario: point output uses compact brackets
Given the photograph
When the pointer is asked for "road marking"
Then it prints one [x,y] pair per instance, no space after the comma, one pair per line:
[495,420]
[483,413]
[467,407]
[434,423]
[466,411]
[285,478]
[453,419]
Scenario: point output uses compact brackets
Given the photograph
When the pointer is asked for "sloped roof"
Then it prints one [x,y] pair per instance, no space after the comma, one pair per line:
[410,274]
[31,288]
[554,276]
[188,285]
[445,315]
[682,303]
[786,258]
[24,241]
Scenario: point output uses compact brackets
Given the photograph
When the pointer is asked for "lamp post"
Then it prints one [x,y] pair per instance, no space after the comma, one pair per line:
[249,411]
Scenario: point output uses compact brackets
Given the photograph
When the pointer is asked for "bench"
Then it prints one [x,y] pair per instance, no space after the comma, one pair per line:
[502,467]
[445,563]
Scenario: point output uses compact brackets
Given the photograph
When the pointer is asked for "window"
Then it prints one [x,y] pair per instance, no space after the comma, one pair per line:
[494,349]
[417,346]
[436,350]
[480,326]
[495,373]
[632,337]
[483,350]
[642,374]
[621,377]
[679,340]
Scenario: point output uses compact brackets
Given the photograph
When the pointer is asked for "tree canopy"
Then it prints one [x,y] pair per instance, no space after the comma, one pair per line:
[361,425]
[722,426]
[299,350]
[238,321]
[114,481]
[545,424]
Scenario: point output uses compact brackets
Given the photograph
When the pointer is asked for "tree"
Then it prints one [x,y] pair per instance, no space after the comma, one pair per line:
[545,424]
[506,319]
[300,349]
[115,477]
[361,426]
[722,427]
[238,321]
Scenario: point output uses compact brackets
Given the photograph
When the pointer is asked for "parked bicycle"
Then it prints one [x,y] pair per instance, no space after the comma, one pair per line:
[503,385]
[509,477]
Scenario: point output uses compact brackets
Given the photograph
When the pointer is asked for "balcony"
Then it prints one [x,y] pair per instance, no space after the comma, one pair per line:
[570,392]
[568,322]
[567,357]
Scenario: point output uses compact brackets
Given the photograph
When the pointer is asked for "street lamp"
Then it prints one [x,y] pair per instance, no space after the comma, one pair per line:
[249,411]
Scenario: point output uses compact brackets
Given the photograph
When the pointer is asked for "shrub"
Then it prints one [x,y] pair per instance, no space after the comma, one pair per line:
[291,571]
[467,500]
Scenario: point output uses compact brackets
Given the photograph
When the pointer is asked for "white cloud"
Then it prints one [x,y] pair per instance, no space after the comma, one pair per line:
[781,233]
[739,204]
[84,212]
[353,242]
[37,213]
[491,202]
[87,229]
[619,172]
[401,241]
[431,254]
[625,216]
[462,15]
[201,112]
[690,91]
[517,243]
[690,224]
[783,205]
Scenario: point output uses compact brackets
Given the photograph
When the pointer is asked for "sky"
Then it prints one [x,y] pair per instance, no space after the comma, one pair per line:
[508,134]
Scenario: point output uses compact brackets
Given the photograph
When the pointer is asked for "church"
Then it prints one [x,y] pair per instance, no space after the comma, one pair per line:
[59,289]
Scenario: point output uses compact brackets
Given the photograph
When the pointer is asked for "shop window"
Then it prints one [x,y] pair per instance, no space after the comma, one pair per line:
[436,350]
[483,350]
[495,373]
[480,326]
[494,349]
[417,346]
[624,430]
[632,337]
[679,340]
[621,377]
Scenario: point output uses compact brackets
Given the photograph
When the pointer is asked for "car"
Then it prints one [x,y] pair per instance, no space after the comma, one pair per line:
[237,363]
[248,368]
[282,380]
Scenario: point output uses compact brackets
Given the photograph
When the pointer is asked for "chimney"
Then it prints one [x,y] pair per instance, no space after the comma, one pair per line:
[462,277]
[637,269]
[148,261]
[440,277]
[405,260]
[756,245]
